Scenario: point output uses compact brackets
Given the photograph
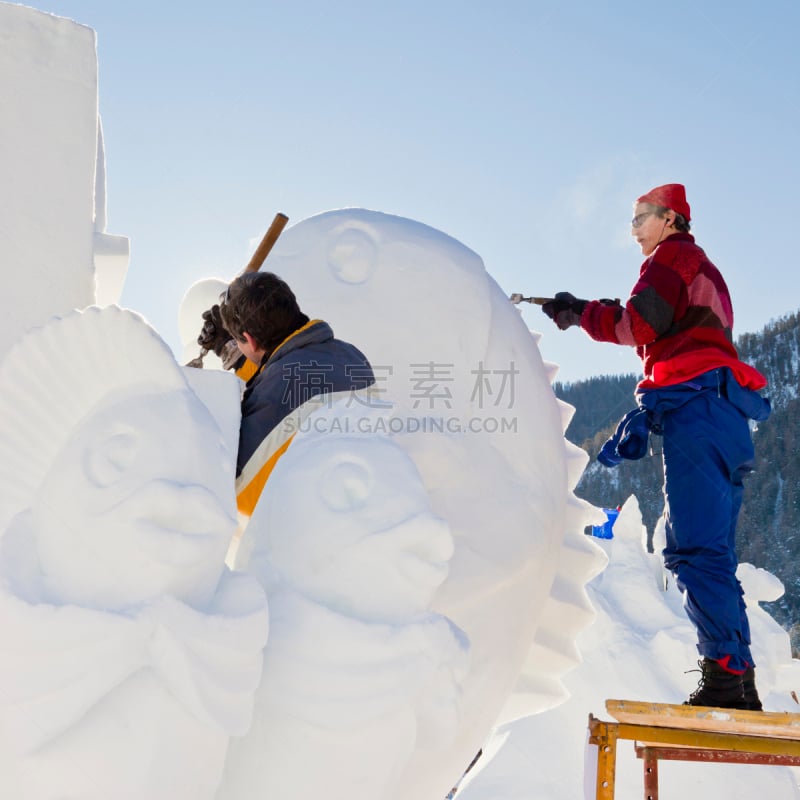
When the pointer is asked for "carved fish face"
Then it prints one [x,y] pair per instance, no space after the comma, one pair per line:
[340,529]
[139,502]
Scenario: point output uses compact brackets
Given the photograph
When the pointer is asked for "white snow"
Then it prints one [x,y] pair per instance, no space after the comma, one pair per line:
[424,566]
[415,583]
[640,647]
[52,236]
[129,653]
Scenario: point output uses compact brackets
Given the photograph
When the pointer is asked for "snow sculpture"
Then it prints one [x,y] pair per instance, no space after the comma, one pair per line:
[129,653]
[199,297]
[358,671]
[474,410]
[53,166]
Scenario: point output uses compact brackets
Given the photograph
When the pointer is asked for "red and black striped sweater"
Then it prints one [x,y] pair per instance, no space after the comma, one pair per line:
[679,317]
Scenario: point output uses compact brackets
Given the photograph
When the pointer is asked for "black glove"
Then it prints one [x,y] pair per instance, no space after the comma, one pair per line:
[213,336]
[565,310]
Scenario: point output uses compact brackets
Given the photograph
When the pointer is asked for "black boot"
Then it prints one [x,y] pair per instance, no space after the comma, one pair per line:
[750,692]
[718,687]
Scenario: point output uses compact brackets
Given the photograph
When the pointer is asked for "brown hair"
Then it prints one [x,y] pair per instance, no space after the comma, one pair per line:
[264,306]
[681,223]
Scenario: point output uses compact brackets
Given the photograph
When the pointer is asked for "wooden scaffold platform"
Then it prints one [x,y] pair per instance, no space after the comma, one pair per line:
[664,732]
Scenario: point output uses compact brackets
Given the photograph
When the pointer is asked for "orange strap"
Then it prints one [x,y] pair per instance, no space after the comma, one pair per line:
[248,497]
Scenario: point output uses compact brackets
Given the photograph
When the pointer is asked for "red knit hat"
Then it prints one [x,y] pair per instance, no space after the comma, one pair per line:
[670,195]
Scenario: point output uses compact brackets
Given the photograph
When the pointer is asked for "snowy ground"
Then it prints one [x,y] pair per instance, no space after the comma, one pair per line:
[640,648]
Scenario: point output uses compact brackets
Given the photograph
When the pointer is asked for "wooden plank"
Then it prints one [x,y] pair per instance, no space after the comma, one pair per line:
[780,725]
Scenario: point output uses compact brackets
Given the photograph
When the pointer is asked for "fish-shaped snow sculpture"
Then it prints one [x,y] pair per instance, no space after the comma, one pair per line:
[351,556]
[474,409]
[130,653]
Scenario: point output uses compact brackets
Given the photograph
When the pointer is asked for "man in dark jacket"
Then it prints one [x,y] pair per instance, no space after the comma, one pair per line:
[289,362]
[698,395]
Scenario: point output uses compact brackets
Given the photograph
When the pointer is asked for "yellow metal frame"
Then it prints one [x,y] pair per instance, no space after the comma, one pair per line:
[681,743]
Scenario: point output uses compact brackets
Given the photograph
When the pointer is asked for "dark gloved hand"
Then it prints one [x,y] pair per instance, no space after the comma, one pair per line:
[565,310]
[213,336]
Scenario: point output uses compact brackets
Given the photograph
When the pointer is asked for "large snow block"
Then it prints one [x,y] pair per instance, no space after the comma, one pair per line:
[49,159]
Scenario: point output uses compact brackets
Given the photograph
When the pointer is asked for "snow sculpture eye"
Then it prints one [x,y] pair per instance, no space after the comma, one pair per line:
[347,485]
[353,256]
[110,457]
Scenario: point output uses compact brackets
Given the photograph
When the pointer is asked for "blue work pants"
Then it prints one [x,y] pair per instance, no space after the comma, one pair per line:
[707,449]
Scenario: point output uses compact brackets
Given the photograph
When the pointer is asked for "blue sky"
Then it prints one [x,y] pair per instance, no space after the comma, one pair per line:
[523,129]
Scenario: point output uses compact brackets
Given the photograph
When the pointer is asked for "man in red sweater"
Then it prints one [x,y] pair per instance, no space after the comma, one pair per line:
[699,396]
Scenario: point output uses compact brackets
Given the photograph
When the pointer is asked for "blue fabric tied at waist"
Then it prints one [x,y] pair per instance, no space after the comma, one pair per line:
[630,439]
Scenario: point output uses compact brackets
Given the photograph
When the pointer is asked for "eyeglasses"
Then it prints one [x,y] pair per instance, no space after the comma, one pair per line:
[639,219]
